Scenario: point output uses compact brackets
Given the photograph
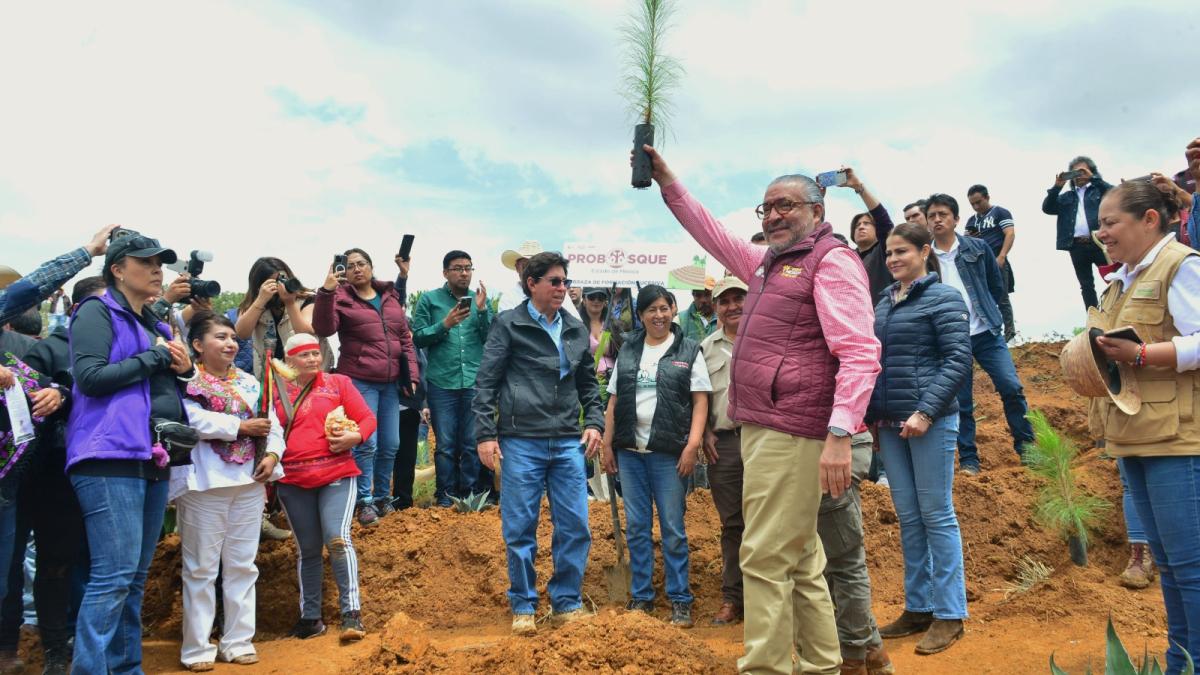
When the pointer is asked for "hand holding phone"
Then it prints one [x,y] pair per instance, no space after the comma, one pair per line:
[339,264]
[405,246]
[831,178]
[464,303]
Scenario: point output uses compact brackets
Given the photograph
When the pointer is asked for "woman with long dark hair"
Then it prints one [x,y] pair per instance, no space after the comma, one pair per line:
[922,328]
[377,354]
[270,313]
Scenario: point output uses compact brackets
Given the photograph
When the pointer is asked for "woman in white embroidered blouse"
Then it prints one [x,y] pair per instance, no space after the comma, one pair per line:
[220,495]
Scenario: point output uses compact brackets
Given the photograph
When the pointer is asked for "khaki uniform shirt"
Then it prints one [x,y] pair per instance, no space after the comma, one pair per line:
[718,355]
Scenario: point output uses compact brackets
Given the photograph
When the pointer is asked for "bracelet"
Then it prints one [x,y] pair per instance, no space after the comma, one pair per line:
[272,454]
[1140,359]
[926,416]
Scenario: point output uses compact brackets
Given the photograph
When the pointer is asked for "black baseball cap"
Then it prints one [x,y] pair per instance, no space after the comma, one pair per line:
[138,246]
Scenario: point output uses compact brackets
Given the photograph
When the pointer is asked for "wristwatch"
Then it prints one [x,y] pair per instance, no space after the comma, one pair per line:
[839,432]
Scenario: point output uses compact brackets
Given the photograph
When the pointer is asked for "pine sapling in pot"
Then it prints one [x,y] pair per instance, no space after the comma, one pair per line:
[1061,504]
[650,76]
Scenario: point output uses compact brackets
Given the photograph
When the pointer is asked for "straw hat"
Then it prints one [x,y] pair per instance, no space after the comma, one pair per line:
[526,250]
[8,275]
[1089,373]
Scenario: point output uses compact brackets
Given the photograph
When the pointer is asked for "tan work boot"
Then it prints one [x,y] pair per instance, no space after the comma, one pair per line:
[1140,572]
[878,662]
[523,624]
[563,618]
[941,634]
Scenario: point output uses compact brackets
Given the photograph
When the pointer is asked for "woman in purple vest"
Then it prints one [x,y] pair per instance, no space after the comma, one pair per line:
[127,371]
[922,328]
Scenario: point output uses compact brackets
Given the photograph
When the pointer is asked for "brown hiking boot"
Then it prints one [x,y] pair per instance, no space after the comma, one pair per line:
[878,662]
[941,634]
[1140,572]
[728,614]
[854,667]
[909,623]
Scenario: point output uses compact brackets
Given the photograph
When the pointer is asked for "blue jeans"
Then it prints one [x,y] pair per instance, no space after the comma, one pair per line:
[993,356]
[456,462]
[1133,524]
[649,480]
[123,518]
[376,456]
[533,466]
[1166,492]
[921,474]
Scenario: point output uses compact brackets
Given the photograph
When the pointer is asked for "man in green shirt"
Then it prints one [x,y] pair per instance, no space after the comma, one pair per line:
[451,323]
[700,320]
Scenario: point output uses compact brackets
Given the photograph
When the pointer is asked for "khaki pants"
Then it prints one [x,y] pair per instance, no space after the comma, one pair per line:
[787,601]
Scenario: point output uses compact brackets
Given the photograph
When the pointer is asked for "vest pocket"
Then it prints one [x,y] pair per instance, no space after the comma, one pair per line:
[1145,317]
[1158,420]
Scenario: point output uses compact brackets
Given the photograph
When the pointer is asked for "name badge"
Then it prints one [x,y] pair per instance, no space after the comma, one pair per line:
[1147,290]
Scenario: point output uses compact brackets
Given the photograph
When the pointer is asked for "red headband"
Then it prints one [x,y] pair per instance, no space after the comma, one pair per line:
[307,346]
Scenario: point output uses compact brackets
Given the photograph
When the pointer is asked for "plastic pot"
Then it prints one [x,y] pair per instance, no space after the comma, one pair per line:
[643,134]
[1078,550]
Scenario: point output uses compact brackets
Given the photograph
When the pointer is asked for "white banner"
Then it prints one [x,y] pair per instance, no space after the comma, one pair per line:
[627,264]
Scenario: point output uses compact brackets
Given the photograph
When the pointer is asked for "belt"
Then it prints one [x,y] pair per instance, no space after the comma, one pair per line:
[1084,240]
[726,433]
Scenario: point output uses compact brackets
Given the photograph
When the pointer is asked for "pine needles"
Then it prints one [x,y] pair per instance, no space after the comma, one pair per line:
[651,74]
[1030,573]
[1062,505]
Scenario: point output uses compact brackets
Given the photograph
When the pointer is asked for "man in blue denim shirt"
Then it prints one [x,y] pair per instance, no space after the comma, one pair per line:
[28,291]
[968,265]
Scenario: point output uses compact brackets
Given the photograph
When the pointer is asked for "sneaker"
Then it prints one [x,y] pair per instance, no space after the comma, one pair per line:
[385,508]
[941,634]
[245,659]
[352,628]
[272,532]
[681,614]
[969,469]
[909,623]
[563,618]
[199,666]
[523,624]
[646,606]
[367,515]
[307,628]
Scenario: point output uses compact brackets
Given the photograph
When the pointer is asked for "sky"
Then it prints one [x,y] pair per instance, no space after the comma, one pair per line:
[299,129]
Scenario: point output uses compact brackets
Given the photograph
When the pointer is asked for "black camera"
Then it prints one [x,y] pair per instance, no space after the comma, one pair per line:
[289,284]
[200,288]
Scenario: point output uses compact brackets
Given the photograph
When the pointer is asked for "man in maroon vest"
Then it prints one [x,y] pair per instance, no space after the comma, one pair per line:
[804,364]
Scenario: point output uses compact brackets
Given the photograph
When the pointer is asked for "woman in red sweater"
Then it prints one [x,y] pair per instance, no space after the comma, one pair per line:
[318,486]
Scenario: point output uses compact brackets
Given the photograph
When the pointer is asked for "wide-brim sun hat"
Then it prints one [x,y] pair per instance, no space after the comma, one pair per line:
[526,250]
[1089,372]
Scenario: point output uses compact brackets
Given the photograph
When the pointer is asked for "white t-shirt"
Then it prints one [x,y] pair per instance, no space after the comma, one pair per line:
[646,397]
[1081,224]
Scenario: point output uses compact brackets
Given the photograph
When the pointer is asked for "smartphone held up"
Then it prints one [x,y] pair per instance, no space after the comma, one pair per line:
[829,179]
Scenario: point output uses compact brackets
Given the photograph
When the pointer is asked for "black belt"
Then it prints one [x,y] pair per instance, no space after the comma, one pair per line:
[1084,240]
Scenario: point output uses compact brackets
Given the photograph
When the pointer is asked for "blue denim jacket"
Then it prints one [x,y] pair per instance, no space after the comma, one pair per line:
[981,277]
[1193,224]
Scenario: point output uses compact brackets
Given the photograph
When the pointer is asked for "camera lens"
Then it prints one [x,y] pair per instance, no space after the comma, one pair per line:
[203,288]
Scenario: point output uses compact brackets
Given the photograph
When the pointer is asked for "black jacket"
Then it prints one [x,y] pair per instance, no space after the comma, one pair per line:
[519,391]
[926,352]
[52,357]
[672,423]
[1065,205]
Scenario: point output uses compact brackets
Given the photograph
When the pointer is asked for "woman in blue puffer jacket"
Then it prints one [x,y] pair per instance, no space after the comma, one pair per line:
[922,326]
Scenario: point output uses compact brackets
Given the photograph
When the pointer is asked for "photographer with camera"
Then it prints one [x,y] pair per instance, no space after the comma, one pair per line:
[128,377]
[275,307]
[1077,210]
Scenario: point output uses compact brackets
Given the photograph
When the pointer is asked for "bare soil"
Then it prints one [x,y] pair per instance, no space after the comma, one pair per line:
[433,582]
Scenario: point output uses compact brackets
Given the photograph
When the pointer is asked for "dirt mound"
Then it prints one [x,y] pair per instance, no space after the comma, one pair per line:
[436,575]
[609,642]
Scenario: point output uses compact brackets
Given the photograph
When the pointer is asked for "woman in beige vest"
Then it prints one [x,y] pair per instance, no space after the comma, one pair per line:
[1156,291]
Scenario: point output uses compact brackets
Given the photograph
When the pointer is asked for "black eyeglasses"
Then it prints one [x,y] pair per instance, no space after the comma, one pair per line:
[781,206]
[460,268]
[557,281]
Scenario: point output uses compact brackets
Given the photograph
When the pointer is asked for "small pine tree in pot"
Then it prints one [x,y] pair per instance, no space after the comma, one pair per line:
[650,77]
[1061,504]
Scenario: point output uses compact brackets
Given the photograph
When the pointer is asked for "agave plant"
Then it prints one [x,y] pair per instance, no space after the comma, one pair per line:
[650,77]
[1062,505]
[472,503]
[1117,661]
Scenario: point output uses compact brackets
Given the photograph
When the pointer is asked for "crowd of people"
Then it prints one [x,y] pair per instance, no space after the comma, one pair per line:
[813,365]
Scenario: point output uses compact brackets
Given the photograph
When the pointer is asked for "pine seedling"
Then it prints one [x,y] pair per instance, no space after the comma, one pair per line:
[1061,505]
[650,74]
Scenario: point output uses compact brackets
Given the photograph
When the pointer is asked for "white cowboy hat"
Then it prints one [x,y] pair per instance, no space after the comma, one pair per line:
[526,250]
[8,275]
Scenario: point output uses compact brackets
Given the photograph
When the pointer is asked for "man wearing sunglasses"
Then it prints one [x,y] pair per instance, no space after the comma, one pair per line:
[803,369]
[536,374]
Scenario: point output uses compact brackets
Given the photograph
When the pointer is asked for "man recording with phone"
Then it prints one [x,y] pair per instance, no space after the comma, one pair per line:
[1077,210]
[451,323]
